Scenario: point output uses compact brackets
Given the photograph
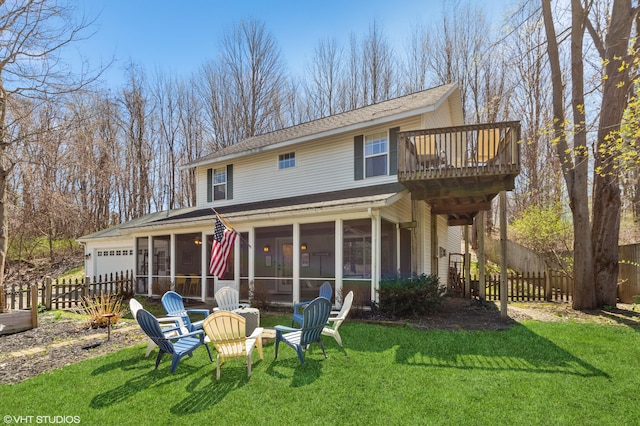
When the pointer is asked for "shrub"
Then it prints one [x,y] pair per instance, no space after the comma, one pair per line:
[96,307]
[260,297]
[410,297]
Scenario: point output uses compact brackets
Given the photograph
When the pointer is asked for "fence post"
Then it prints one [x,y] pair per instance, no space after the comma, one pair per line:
[34,305]
[85,287]
[47,292]
[547,283]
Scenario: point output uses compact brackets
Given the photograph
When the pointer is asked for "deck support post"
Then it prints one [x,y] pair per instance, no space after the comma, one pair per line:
[480,254]
[503,256]
[467,264]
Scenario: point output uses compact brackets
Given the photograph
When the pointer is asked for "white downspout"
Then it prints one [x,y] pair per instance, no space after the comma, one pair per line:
[375,253]
[296,262]
[339,261]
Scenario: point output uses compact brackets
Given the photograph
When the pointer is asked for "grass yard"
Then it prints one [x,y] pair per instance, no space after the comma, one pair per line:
[535,373]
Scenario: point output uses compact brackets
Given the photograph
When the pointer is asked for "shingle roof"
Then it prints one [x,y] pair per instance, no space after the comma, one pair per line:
[316,200]
[414,103]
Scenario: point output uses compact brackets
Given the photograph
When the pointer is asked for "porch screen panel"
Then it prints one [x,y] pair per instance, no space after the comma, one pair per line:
[229,274]
[405,253]
[161,264]
[273,253]
[388,257]
[357,249]
[243,240]
[188,264]
[142,265]
[317,258]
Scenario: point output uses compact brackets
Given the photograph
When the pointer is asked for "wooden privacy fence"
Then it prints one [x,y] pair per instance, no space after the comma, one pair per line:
[552,285]
[67,294]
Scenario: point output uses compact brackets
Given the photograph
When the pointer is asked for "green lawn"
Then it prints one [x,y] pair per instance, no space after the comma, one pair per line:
[532,374]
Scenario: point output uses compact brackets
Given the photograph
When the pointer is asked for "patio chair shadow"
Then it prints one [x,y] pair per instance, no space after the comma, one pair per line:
[139,384]
[300,375]
[213,392]
[493,351]
[133,363]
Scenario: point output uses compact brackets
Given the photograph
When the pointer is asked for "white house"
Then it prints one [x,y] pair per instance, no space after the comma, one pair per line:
[376,192]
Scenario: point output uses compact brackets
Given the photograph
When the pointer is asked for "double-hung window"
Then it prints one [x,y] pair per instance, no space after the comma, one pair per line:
[376,152]
[220,184]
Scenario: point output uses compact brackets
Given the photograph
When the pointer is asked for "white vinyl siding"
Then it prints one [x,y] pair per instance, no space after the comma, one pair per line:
[322,165]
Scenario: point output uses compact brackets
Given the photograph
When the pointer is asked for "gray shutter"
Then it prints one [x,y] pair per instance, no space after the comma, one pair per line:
[358,157]
[393,151]
[209,185]
[229,181]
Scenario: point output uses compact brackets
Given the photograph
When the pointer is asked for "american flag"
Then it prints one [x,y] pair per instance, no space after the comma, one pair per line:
[223,240]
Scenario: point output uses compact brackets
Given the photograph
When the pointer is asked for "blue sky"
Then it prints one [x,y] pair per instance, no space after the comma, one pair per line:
[179,36]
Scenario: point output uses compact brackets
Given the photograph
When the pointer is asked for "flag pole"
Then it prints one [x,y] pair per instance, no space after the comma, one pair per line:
[228,225]
[223,220]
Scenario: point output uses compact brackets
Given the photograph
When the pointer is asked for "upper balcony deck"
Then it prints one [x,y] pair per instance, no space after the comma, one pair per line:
[459,170]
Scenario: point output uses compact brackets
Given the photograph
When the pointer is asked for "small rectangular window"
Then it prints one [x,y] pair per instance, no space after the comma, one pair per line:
[287,160]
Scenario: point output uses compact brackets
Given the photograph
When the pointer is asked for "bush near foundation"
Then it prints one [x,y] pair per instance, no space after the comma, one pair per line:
[410,297]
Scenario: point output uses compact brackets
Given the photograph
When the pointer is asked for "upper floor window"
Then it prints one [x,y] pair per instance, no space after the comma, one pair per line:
[376,151]
[220,184]
[287,160]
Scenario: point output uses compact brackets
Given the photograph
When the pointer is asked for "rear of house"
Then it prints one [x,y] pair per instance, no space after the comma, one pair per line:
[321,201]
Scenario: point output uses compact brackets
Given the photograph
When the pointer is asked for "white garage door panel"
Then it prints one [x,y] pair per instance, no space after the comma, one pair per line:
[114,260]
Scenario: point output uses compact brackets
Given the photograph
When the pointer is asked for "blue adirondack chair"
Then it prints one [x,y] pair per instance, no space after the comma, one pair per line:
[174,305]
[314,318]
[177,346]
[326,291]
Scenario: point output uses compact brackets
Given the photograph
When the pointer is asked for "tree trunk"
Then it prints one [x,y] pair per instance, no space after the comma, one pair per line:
[575,173]
[4,173]
[606,190]
[4,222]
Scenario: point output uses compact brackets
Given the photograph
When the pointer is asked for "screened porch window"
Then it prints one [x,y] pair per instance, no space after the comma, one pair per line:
[357,249]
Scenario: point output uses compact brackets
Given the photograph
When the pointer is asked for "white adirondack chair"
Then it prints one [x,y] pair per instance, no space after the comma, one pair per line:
[228,299]
[337,318]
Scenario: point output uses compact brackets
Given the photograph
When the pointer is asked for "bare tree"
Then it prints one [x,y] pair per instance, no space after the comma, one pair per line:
[166,109]
[377,66]
[416,69]
[242,89]
[33,33]
[460,50]
[136,187]
[540,181]
[192,130]
[325,79]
